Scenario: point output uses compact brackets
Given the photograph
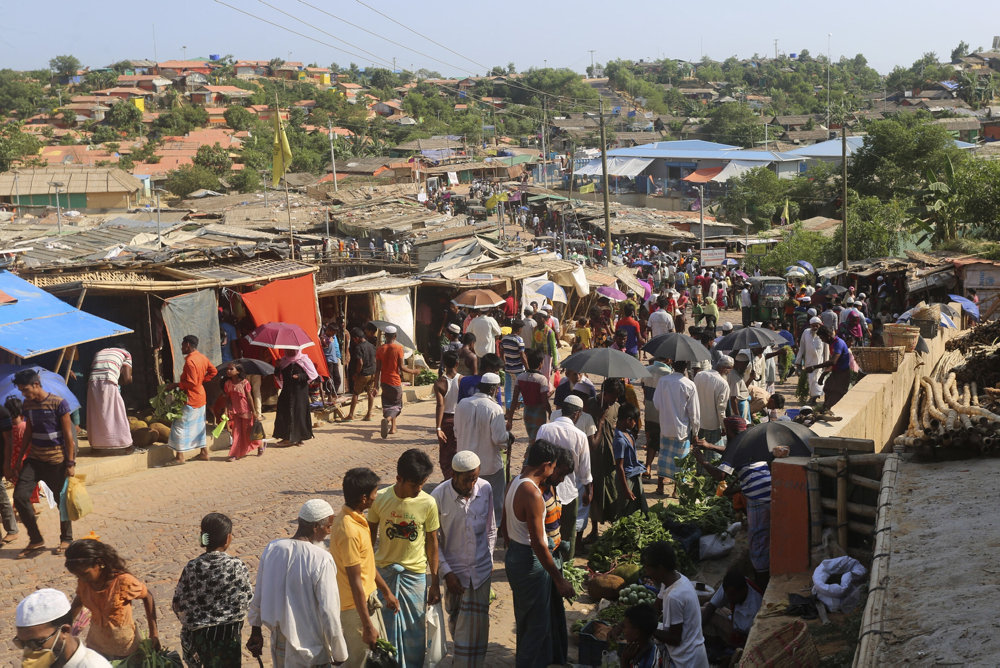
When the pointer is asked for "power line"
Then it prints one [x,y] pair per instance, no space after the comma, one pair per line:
[309,25]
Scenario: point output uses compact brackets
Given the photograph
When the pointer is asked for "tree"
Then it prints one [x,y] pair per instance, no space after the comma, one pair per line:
[245,180]
[15,144]
[978,192]
[215,158]
[122,66]
[758,195]
[238,118]
[124,117]
[796,244]
[185,180]
[104,133]
[734,123]
[64,66]
[19,94]
[959,52]
[874,228]
[180,120]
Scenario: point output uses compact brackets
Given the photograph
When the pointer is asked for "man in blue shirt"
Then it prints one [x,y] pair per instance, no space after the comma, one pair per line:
[229,338]
[838,378]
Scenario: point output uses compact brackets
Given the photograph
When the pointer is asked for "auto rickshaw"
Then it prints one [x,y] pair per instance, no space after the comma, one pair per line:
[768,295]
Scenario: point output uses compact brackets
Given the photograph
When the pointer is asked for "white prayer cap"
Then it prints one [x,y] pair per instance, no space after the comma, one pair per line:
[489,379]
[815,321]
[861,296]
[41,607]
[463,461]
[742,357]
[389,329]
[849,301]
[546,307]
[724,361]
[727,327]
[811,312]
[454,328]
[574,401]
[315,510]
[806,298]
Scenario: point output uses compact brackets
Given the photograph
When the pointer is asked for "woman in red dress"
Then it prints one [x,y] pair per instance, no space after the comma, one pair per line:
[239,408]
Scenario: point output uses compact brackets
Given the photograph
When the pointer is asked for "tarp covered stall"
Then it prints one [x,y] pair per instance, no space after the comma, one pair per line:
[395,307]
[193,313]
[38,322]
[616,167]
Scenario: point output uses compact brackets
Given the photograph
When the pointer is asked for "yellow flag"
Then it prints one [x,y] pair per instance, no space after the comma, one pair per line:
[282,157]
[586,188]
[503,197]
[784,216]
[491,202]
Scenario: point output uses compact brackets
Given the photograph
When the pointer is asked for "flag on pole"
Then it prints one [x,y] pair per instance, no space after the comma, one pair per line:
[784,215]
[586,188]
[282,157]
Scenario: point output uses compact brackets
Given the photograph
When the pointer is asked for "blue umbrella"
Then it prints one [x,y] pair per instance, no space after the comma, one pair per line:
[642,263]
[51,382]
[548,289]
[806,265]
[730,262]
[946,320]
[967,305]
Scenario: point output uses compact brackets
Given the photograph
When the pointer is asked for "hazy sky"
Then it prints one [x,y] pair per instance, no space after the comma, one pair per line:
[887,32]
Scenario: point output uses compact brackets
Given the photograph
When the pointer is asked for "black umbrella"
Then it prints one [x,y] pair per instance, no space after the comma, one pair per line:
[677,347]
[832,290]
[401,337]
[750,337]
[757,443]
[605,362]
[250,367]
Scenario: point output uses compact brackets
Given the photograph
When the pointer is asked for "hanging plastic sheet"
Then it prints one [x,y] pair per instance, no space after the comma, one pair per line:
[292,300]
[194,313]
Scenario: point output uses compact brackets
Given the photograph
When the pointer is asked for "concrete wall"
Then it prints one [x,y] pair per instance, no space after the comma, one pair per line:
[877,408]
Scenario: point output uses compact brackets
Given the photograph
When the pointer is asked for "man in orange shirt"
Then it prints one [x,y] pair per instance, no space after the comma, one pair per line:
[188,431]
[389,367]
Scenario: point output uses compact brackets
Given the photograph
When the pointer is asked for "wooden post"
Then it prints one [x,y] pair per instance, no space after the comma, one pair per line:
[842,502]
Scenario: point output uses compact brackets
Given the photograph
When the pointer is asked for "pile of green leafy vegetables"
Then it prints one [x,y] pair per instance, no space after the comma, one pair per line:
[168,405]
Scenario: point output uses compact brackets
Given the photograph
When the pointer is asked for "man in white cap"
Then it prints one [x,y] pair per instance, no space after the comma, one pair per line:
[713,396]
[297,597]
[726,327]
[552,321]
[577,488]
[453,335]
[480,427]
[43,621]
[466,539]
[813,351]
[389,367]
[486,330]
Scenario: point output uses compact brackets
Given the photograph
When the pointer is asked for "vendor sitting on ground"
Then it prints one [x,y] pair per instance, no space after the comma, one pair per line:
[729,615]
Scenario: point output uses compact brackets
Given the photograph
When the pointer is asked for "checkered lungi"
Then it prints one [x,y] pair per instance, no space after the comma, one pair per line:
[469,623]
[188,431]
[670,448]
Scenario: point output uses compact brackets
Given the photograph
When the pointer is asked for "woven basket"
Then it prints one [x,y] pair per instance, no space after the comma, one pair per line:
[791,646]
[879,360]
[927,312]
[901,335]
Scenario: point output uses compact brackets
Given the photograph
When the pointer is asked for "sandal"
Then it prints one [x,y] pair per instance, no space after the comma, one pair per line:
[30,551]
[231,459]
[62,548]
[260,450]
[8,539]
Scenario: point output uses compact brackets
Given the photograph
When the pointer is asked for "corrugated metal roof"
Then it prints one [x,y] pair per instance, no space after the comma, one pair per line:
[377,282]
[74,179]
[88,244]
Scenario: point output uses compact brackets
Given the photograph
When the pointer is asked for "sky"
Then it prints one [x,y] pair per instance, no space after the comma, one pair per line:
[473,36]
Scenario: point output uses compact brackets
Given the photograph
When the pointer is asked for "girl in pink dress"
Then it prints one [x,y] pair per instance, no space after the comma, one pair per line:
[239,408]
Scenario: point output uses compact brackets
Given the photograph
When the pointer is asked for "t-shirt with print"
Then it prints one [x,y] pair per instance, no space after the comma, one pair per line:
[45,417]
[402,528]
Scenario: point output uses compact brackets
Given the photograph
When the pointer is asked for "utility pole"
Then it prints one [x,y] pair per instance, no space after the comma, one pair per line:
[604,186]
[592,70]
[775,49]
[57,185]
[828,35]
[159,234]
[701,217]
[545,155]
[843,155]
[569,196]
[333,158]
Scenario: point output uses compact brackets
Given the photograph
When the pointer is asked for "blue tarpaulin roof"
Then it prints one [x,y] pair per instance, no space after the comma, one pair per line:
[39,323]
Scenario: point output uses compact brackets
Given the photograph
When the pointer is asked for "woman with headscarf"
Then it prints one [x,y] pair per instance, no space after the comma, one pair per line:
[292,420]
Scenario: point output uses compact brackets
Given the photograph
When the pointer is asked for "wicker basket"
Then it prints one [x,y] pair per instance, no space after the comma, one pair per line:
[901,335]
[791,646]
[879,360]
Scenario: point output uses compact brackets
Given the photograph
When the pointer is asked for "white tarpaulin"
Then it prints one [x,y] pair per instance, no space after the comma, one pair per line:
[395,307]
[616,167]
[576,279]
[734,169]
[528,295]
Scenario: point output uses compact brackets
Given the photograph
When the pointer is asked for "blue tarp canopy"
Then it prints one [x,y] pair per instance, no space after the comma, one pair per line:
[38,323]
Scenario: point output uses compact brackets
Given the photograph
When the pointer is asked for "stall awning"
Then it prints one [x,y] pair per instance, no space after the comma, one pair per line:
[703,175]
[39,323]
[616,167]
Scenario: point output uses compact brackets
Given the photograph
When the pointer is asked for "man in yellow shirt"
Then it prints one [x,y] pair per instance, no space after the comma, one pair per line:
[357,579]
[404,519]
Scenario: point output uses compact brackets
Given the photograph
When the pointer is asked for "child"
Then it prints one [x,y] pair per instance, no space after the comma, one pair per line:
[638,628]
[776,408]
[17,454]
[628,474]
[107,589]
[582,335]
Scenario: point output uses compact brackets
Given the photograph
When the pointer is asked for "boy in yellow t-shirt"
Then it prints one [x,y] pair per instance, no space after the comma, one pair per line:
[582,335]
[404,519]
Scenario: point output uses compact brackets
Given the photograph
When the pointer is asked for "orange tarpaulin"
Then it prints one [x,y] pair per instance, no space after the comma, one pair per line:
[292,300]
[702,175]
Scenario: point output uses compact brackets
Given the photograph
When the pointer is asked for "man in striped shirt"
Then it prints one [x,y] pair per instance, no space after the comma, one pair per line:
[514,360]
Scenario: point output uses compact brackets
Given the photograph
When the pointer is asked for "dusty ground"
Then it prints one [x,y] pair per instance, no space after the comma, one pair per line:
[943,570]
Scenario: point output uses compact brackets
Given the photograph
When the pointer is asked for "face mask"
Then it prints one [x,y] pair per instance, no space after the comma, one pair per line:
[41,658]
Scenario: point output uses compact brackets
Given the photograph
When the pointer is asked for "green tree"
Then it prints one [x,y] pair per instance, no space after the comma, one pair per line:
[19,94]
[238,118]
[180,120]
[64,66]
[215,158]
[122,67]
[734,123]
[758,195]
[874,229]
[977,187]
[125,117]
[937,213]
[796,244]
[185,180]
[16,144]
[104,133]
[960,51]
[245,181]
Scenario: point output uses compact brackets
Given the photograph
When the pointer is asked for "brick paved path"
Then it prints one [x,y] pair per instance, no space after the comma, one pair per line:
[152,517]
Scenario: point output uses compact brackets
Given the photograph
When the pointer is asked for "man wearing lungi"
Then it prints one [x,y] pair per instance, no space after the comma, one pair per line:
[107,421]
[467,537]
[188,431]
[676,401]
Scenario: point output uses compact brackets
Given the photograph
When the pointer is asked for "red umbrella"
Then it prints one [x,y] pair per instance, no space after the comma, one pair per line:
[280,336]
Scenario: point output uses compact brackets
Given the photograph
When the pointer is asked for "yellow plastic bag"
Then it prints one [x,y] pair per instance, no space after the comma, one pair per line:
[78,503]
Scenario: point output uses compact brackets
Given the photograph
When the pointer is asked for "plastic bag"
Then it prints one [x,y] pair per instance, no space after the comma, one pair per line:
[436,641]
[380,657]
[257,431]
[78,503]
[844,595]
[716,546]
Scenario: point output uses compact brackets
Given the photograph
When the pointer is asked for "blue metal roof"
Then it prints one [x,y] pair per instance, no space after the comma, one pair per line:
[668,151]
[39,323]
[691,145]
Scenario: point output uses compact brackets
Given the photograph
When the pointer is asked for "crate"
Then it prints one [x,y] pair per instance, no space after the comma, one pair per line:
[901,335]
[791,646]
[928,328]
[591,650]
[879,360]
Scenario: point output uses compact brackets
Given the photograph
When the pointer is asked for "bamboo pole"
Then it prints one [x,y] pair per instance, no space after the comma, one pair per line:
[842,501]
[852,508]
[856,460]
[859,528]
